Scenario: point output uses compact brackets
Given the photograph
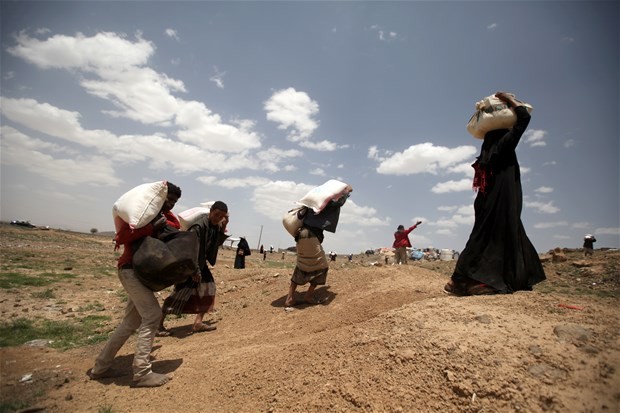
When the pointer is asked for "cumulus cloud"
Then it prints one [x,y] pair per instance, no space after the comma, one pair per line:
[158,151]
[250,181]
[423,158]
[461,216]
[294,111]
[581,225]
[30,153]
[545,208]
[607,231]
[546,225]
[317,171]
[544,190]
[115,68]
[535,137]
[452,186]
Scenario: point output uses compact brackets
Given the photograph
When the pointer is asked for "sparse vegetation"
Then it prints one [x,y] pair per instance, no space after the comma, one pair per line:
[61,334]
[49,293]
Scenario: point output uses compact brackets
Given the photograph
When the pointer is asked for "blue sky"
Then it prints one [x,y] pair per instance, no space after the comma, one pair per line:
[256,103]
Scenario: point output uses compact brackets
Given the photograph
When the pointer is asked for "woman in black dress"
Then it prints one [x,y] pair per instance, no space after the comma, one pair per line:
[498,257]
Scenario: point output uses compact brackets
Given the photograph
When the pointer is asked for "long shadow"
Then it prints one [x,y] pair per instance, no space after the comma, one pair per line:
[124,365]
[186,331]
[322,294]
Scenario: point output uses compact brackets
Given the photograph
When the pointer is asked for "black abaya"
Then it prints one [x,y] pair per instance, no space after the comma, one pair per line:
[498,252]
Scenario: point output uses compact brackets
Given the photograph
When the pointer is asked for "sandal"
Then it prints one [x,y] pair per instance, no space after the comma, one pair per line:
[453,288]
[163,332]
[203,328]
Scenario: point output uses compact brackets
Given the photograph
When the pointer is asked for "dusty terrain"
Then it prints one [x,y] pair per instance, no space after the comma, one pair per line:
[386,340]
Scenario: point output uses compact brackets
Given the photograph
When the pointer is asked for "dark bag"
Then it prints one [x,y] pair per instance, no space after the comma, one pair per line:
[160,263]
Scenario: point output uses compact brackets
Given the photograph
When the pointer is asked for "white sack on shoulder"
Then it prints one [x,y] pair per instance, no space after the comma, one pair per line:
[491,113]
[294,219]
[138,206]
[191,216]
[319,197]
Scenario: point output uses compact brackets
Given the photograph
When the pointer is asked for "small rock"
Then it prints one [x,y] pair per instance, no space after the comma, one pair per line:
[67,268]
[484,318]
[37,343]
[25,378]
[69,397]
[572,333]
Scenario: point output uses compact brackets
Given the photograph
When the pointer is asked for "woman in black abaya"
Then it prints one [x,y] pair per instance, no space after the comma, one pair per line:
[498,257]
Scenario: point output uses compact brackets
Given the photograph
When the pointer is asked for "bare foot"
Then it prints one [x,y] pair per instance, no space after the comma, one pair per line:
[152,380]
[289,302]
[106,374]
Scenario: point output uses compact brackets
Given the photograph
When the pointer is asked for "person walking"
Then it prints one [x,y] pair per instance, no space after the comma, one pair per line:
[498,256]
[588,245]
[401,243]
[312,265]
[142,312]
[197,294]
[243,250]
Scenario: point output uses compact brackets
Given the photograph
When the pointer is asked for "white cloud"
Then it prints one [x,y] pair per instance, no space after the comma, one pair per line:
[424,158]
[317,171]
[172,34]
[550,163]
[446,208]
[22,150]
[535,137]
[464,168]
[545,208]
[607,231]
[250,181]
[294,111]
[323,146]
[544,190]
[203,128]
[569,143]
[581,225]
[373,153]
[452,186]
[159,151]
[218,78]
[139,93]
[545,225]
[562,237]
[492,26]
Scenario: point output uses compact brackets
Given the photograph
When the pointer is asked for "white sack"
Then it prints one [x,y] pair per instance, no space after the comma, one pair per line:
[294,219]
[191,216]
[319,197]
[138,206]
[491,113]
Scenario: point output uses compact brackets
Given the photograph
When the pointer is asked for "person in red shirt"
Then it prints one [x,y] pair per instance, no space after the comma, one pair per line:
[401,243]
[143,312]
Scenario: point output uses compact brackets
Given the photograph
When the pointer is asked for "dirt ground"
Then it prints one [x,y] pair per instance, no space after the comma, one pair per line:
[387,339]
